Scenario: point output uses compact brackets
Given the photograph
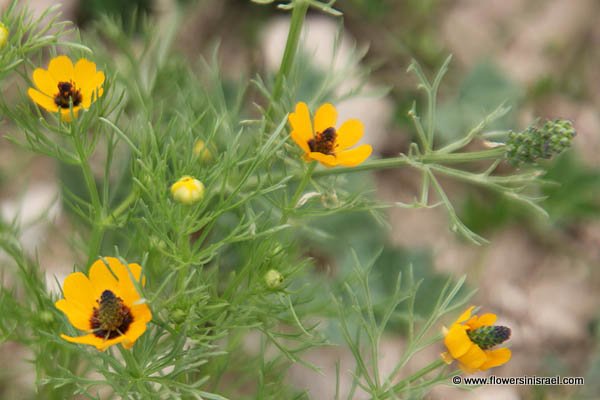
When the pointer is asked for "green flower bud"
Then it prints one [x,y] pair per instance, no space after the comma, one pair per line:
[536,143]
[273,279]
[46,317]
[178,316]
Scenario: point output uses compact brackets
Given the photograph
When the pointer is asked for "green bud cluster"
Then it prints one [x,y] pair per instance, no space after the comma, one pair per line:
[489,336]
[534,143]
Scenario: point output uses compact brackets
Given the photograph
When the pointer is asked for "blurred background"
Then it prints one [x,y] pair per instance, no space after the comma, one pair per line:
[539,56]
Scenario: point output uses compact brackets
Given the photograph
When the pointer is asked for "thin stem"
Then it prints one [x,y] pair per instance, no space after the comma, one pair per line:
[488,154]
[121,208]
[291,48]
[97,220]
[421,135]
[301,186]
[417,375]
[434,157]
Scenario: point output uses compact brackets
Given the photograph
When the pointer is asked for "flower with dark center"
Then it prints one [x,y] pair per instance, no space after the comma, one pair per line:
[470,340]
[67,94]
[324,143]
[64,87]
[106,305]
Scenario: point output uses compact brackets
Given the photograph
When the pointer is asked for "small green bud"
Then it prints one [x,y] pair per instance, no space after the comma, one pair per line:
[273,279]
[46,317]
[534,143]
[178,316]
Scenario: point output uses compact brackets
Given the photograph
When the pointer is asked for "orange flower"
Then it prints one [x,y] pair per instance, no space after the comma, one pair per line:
[107,304]
[322,142]
[63,85]
[470,338]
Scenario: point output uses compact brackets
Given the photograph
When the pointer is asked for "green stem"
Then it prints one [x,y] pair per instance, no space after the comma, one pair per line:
[291,48]
[434,157]
[121,208]
[301,186]
[97,220]
[417,375]
[488,154]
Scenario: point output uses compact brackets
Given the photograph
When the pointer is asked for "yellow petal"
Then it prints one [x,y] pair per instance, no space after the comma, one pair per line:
[349,133]
[77,315]
[473,358]
[141,313]
[42,100]
[353,157]
[484,320]
[300,141]
[45,82]
[85,72]
[457,341]
[135,330]
[61,68]
[78,290]
[325,159]
[325,117]
[65,113]
[465,315]
[93,340]
[495,358]
[92,90]
[102,278]
[300,121]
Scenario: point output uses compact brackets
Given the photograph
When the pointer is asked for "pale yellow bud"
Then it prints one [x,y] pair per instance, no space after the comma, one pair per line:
[273,279]
[202,151]
[3,35]
[187,190]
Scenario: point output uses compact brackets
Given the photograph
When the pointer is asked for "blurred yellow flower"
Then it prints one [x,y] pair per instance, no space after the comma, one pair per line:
[107,304]
[470,338]
[3,35]
[64,84]
[202,151]
[187,190]
[322,142]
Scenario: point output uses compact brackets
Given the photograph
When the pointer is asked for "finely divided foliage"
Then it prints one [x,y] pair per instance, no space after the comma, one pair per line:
[193,210]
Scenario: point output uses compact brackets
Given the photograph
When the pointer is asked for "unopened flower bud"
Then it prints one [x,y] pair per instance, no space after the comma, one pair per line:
[534,143]
[3,35]
[273,279]
[46,317]
[178,316]
[202,151]
[187,190]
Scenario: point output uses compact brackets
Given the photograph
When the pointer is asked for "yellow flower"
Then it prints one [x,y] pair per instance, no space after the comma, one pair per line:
[63,84]
[187,190]
[470,338]
[202,151]
[106,305]
[322,142]
[3,35]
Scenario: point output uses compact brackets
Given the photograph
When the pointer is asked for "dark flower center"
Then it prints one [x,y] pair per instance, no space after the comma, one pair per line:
[489,336]
[111,318]
[323,142]
[67,93]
